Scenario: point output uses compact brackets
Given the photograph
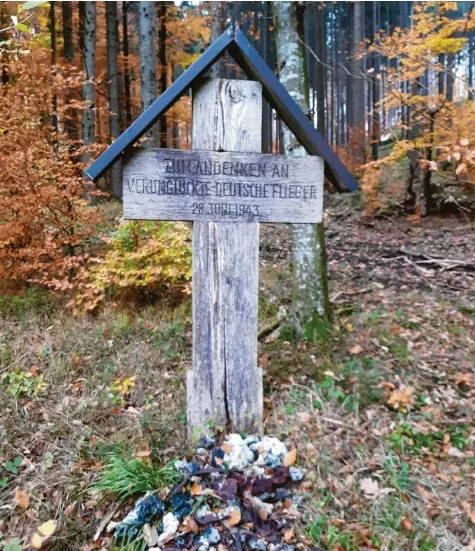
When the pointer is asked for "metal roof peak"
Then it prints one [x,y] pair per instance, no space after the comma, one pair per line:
[247,57]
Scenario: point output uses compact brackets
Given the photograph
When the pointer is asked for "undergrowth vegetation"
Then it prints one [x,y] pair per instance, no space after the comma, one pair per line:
[92,410]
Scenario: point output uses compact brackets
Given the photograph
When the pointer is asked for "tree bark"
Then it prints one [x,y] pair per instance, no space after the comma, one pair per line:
[125,50]
[441,75]
[218,26]
[266,108]
[71,116]
[89,64]
[147,53]
[357,84]
[320,68]
[376,87]
[112,77]
[450,77]
[162,57]
[311,306]
[68,40]
[54,100]
[471,50]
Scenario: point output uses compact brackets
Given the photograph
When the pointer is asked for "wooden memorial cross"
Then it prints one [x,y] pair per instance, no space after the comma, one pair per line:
[226,187]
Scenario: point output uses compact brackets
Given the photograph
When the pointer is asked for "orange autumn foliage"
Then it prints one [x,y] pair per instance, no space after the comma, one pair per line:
[46,222]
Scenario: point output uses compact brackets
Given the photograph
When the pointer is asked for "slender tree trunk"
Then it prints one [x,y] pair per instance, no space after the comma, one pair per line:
[89,65]
[441,75]
[125,49]
[471,50]
[114,106]
[176,72]
[266,108]
[218,26]
[357,84]
[68,40]
[82,18]
[376,120]
[147,51]
[404,24]
[54,101]
[320,68]
[451,59]
[71,116]
[162,58]
[310,297]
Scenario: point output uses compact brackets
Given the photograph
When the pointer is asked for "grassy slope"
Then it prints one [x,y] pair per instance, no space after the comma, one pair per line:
[396,475]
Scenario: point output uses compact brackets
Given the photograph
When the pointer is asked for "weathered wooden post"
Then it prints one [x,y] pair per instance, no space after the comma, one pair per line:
[224,385]
[226,187]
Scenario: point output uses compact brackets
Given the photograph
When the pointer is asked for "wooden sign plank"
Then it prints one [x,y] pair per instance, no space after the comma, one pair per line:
[171,184]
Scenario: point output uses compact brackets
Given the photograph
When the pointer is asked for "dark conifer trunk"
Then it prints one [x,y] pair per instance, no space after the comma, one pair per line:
[112,77]
[471,50]
[162,58]
[376,89]
[89,66]
[357,86]
[54,101]
[320,68]
[68,40]
[125,49]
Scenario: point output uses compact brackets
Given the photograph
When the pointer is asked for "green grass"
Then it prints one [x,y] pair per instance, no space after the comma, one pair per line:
[34,300]
[125,477]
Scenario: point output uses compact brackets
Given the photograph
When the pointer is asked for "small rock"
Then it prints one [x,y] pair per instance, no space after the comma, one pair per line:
[150,535]
[170,527]
[240,455]
[296,474]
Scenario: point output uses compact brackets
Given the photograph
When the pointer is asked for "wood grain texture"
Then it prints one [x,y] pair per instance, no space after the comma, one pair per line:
[170,184]
[224,386]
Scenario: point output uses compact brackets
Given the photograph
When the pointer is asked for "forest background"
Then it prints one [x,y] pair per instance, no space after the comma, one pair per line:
[381,387]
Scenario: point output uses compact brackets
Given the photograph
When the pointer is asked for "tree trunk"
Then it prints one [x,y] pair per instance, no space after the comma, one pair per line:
[125,49]
[162,58]
[114,107]
[147,51]
[441,75]
[54,100]
[450,77]
[311,308]
[89,64]
[68,40]
[71,116]
[266,108]
[471,50]
[82,22]
[376,120]
[357,84]
[320,68]
[218,26]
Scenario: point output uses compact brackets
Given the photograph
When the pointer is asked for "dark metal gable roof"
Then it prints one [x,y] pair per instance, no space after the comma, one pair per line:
[247,57]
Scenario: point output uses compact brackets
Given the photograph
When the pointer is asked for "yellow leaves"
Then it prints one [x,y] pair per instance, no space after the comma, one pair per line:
[402,398]
[45,531]
[48,528]
[124,386]
[142,255]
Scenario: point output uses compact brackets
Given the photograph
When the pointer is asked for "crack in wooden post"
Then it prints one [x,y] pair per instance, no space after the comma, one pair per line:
[224,386]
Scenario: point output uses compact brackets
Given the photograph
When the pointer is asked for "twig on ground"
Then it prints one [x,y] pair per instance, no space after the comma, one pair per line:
[17,360]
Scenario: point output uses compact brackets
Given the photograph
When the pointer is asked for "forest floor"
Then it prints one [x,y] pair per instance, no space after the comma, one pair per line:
[381,409]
